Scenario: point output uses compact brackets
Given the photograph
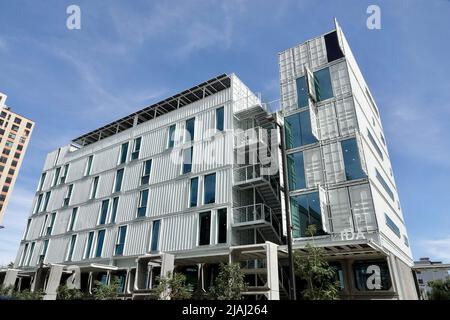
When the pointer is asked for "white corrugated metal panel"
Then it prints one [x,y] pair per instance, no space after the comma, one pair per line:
[340,210]
[209,155]
[35,227]
[223,186]
[287,69]
[36,252]
[334,163]
[105,160]
[106,183]
[56,250]
[110,241]
[289,95]
[363,210]
[340,79]
[80,246]
[127,209]
[313,167]
[153,143]
[61,221]
[88,216]
[166,166]
[76,170]
[327,121]
[179,232]
[132,176]
[137,239]
[167,198]
[346,115]
[63,151]
[81,191]
[57,198]
[318,52]
[20,253]
[49,176]
[50,160]
[301,57]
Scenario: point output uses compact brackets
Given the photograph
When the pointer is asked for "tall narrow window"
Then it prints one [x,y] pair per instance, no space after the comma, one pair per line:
[46,200]
[147,169]
[56,177]
[64,175]
[44,225]
[296,171]
[384,184]
[143,198]
[119,178]
[43,252]
[194,192]
[190,130]
[220,115]
[27,229]
[155,235]
[298,132]
[375,144]
[187,160]
[42,181]
[136,148]
[68,195]
[171,137]
[305,212]
[352,162]
[38,203]
[24,254]
[205,228]
[334,50]
[30,255]
[89,165]
[302,92]
[100,240]
[89,242]
[324,90]
[123,153]
[115,205]
[222,225]
[94,187]
[391,224]
[210,188]
[73,240]
[73,218]
[120,242]
[51,223]
[103,212]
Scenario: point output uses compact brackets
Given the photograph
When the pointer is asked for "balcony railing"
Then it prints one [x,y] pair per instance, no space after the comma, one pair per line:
[253,136]
[256,214]
[246,173]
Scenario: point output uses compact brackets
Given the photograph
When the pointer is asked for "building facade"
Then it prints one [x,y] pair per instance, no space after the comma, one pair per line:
[196,180]
[15,134]
[427,271]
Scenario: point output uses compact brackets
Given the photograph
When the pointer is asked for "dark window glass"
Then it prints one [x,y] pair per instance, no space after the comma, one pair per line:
[90,240]
[352,162]
[324,90]
[31,254]
[100,240]
[194,192]
[137,148]
[306,211]
[146,172]
[3,159]
[44,252]
[155,235]
[51,224]
[115,205]
[6,151]
[298,130]
[372,275]
[94,187]
[391,224]
[190,129]
[38,203]
[17,155]
[71,247]
[89,165]
[210,188]
[187,160]
[119,178]
[103,212]
[296,171]
[29,125]
[46,200]
[19,147]
[142,209]
[17,120]
[205,228]
[338,274]
[121,240]
[15,128]
[384,185]
[5,188]
[14,163]
[171,138]
[302,92]
[334,51]
[73,218]
[375,144]
[57,172]
[222,225]
[68,196]
[3,114]
[123,153]
[220,113]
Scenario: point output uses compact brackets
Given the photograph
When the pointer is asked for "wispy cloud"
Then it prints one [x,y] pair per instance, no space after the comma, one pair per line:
[437,249]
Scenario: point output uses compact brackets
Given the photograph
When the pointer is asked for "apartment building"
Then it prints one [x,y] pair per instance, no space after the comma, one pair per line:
[197,179]
[427,271]
[15,134]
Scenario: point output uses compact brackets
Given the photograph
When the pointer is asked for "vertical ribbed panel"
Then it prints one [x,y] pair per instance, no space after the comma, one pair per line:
[56,250]
[62,221]
[50,160]
[178,232]
[346,115]
[127,209]
[327,121]
[80,246]
[81,191]
[105,160]
[88,216]
[132,176]
[318,52]
[138,237]
[76,170]
[153,143]
[170,197]
[340,79]
[106,182]
[334,163]
[313,167]
[57,198]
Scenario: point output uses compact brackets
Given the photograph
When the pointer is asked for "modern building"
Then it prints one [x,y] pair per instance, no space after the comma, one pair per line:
[427,271]
[197,179]
[15,134]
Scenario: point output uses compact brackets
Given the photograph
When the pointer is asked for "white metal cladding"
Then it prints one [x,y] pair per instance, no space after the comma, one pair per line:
[362,205]
[328,126]
[81,191]
[340,79]
[88,215]
[50,160]
[313,167]
[80,246]
[318,53]
[105,160]
[109,243]
[346,115]
[56,199]
[153,143]
[243,97]
[166,166]
[76,170]
[137,238]
[127,208]
[334,163]
[340,210]
[301,57]
[132,176]
[35,227]
[106,183]
[62,221]
[56,250]
[179,232]
[170,197]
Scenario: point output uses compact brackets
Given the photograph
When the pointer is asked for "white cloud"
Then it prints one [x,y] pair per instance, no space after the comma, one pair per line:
[437,249]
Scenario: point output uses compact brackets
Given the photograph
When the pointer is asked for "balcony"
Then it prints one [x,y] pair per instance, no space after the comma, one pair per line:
[252,137]
[256,215]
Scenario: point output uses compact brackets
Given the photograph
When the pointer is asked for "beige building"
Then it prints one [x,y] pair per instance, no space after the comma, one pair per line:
[15,133]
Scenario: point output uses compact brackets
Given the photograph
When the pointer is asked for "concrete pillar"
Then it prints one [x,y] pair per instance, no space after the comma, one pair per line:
[10,277]
[272,271]
[53,281]
[74,281]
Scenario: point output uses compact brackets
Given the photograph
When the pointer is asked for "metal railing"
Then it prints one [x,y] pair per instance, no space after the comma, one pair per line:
[256,213]
[249,172]
[251,136]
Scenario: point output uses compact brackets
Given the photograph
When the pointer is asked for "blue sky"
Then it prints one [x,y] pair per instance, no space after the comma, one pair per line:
[129,54]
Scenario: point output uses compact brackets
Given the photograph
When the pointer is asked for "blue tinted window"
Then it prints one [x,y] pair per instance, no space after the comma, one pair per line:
[121,240]
[324,89]
[103,212]
[115,204]
[190,129]
[100,240]
[298,130]
[142,209]
[375,144]
[137,148]
[296,171]
[210,188]
[123,153]
[187,160]
[391,224]
[220,119]
[89,245]
[119,178]
[385,185]
[72,246]
[73,217]
[302,92]
[352,162]
[305,210]
[194,192]
[171,133]
[155,235]
[146,174]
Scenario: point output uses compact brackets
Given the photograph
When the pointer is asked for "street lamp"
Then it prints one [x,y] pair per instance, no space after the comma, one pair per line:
[292,291]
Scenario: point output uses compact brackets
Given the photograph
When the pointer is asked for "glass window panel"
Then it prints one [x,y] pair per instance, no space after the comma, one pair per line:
[210,188]
[90,240]
[306,211]
[190,129]
[187,160]
[123,153]
[103,212]
[298,130]
[100,240]
[222,225]
[205,228]
[324,89]
[194,192]
[296,171]
[171,138]
[119,178]
[114,209]
[155,235]
[302,92]
[352,162]
[220,118]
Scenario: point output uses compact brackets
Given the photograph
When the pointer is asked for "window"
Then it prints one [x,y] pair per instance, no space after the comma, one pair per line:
[43,226]
[302,92]
[55,179]
[30,255]
[3,114]
[205,228]
[119,178]
[155,235]
[9,144]
[406,241]
[68,195]
[375,144]
[24,254]
[136,148]
[17,155]
[334,51]
[120,242]
[143,198]
[103,212]
[41,182]
[89,165]
[147,169]
[382,139]
[51,224]
[378,270]
[220,119]
[391,224]
[73,218]
[17,120]
[305,212]
[14,163]
[94,187]
[5,189]
[46,200]
[29,125]
[298,130]
[194,192]
[338,274]
[38,203]
[15,128]
[19,147]
[324,89]
[73,240]
[100,240]
[90,240]
[115,205]
[222,225]
[43,252]
[352,162]
[64,176]
[123,153]
[27,229]
[6,151]
[296,171]
[190,130]
[187,160]
[384,185]
[171,137]
[3,159]
[210,188]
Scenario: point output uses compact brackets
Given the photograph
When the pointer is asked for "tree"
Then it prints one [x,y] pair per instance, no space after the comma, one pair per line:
[440,289]
[104,291]
[64,293]
[229,284]
[172,287]
[316,272]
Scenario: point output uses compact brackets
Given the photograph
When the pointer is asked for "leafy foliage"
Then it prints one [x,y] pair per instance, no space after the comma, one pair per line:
[64,293]
[230,283]
[440,289]
[172,288]
[103,291]
[10,293]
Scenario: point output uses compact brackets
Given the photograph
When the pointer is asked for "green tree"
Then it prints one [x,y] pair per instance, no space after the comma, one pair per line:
[172,287]
[440,289]
[229,284]
[316,272]
[27,295]
[104,291]
[64,293]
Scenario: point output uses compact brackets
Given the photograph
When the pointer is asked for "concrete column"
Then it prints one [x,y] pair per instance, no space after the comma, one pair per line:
[53,281]
[74,281]
[272,271]
[10,277]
